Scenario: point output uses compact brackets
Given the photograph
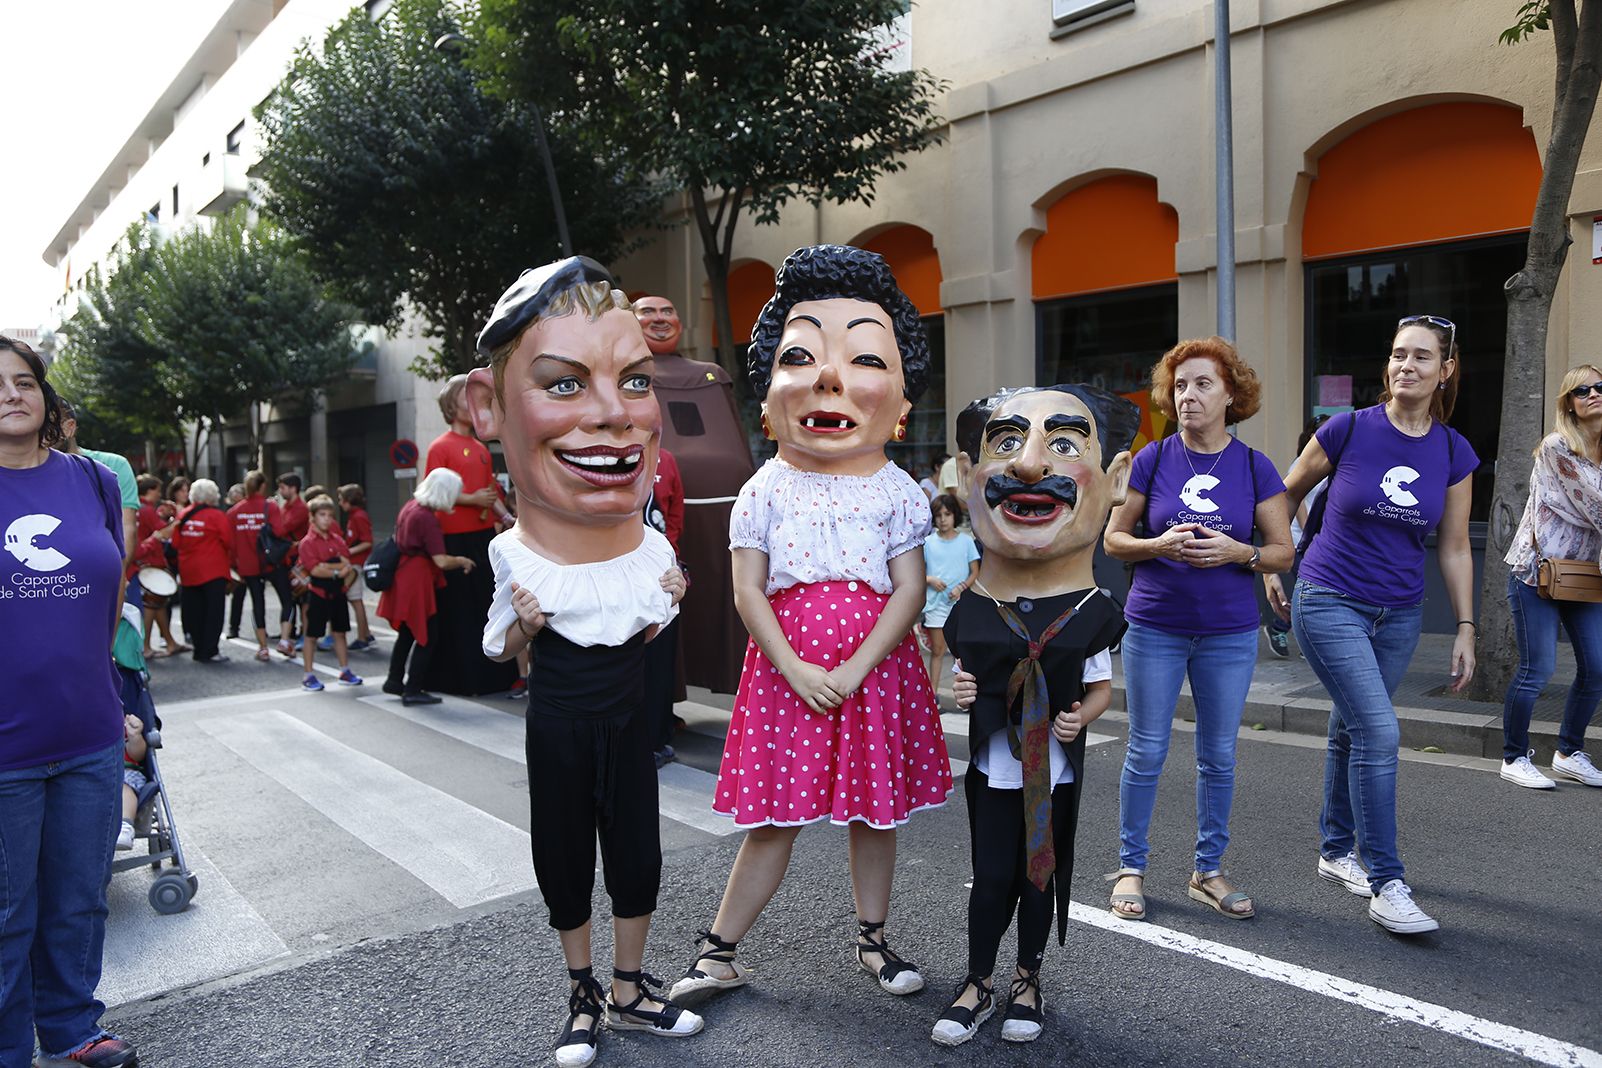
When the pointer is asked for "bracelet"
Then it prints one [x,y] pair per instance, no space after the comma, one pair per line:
[1469,622]
[524,629]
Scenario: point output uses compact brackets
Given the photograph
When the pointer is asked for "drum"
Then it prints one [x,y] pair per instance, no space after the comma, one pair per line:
[158,586]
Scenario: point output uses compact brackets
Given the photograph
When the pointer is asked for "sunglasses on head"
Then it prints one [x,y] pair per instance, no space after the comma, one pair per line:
[1581,392]
[1432,320]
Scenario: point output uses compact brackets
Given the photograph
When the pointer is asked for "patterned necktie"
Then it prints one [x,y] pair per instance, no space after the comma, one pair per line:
[1034,751]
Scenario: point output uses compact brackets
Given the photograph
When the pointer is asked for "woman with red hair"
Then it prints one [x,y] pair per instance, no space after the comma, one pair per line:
[1204,498]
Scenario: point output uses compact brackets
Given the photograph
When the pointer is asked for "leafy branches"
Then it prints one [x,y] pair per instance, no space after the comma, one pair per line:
[411,191]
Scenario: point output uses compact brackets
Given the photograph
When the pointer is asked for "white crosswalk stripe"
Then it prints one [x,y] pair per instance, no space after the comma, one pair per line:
[464,854]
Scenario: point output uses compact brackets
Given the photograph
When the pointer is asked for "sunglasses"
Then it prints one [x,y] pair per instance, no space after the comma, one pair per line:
[1581,392]
[1432,320]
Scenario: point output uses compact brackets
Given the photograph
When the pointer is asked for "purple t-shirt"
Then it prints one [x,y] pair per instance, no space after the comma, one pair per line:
[1221,491]
[59,570]
[1387,493]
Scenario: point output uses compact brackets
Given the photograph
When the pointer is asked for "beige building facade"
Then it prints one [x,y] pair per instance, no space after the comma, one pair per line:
[1386,158]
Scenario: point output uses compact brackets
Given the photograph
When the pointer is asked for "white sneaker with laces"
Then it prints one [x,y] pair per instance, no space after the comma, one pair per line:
[125,837]
[1348,871]
[1393,909]
[1576,766]
[1521,771]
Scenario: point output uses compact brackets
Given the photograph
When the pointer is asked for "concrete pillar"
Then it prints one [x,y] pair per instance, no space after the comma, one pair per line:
[321,470]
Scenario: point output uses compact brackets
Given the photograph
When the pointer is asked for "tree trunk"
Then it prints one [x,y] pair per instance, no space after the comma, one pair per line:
[1529,308]
[715,245]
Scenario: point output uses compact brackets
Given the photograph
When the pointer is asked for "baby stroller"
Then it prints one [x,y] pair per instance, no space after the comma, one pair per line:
[172,890]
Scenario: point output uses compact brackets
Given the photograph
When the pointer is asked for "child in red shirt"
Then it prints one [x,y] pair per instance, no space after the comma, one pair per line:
[359,536]
[325,558]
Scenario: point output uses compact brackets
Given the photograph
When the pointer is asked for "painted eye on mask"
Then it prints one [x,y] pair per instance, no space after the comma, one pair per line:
[1065,447]
[637,384]
[569,386]
[795,356]
[1006,444]
[868,359]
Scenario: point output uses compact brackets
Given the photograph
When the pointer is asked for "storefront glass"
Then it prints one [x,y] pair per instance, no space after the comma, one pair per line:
[1353,304]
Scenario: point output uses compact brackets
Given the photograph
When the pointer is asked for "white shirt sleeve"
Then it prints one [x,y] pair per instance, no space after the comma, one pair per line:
[1098,667]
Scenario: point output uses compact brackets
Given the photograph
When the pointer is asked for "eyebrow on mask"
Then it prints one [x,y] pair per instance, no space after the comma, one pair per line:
[867,319]
[1006,422]
[804,318]
[1069,422]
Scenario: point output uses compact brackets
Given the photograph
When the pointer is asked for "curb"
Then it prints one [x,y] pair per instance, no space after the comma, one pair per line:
[1473,734]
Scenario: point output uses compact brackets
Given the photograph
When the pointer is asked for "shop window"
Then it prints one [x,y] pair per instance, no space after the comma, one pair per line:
[1353,304]
[1110,340]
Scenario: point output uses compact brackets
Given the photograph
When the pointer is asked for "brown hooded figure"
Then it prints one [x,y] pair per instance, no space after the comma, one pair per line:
[1039,470]
[702,430]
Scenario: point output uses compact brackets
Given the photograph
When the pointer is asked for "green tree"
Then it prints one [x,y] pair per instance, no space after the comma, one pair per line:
[108,367]
[410,190]
[746,105]
[242,321]
[1577,38]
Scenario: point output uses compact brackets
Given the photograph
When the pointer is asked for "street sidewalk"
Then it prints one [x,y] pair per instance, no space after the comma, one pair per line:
[1287,696]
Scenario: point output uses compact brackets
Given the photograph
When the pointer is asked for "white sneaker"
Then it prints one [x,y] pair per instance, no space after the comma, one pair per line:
[1393,909]
[1348,871]
[1576,766]
[125,837]
[1520,771]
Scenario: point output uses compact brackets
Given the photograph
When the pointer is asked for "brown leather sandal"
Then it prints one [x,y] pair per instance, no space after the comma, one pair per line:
[1201,888]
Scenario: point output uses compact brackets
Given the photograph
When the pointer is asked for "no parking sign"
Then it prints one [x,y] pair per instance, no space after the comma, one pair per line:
[403,454]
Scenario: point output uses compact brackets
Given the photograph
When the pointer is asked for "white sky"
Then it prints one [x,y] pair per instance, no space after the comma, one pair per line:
[77,76]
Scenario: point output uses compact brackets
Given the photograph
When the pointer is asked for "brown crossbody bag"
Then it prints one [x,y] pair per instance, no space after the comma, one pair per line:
[1566,580]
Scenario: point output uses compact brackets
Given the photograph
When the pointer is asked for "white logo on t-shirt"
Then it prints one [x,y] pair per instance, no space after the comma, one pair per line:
[20,536]
[1395,483]
[1194,493]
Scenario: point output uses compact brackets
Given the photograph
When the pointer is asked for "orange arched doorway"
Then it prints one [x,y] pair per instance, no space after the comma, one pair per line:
[1106,289]
[750,286]
[910,252]
[1422,212]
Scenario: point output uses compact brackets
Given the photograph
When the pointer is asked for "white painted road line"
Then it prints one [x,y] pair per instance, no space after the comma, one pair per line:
[206,704]
[1514,1040]
[685,795]
[330,669]
[465,855]
[147,953]
[483,728]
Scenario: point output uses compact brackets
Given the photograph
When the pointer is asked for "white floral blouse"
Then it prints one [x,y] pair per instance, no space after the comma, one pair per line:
[1564,512]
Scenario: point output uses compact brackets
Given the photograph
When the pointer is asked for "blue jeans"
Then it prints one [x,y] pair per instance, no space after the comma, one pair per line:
[1155,665]
[58,828]
[1535,624]
[1360,652]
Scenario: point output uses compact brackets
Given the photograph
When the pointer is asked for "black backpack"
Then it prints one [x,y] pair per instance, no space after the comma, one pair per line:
[379,570]
[273,548]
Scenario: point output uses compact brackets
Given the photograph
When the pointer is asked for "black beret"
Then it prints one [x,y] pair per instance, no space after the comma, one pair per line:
[532,293]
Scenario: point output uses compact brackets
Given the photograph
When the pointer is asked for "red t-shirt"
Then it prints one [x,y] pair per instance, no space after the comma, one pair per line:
[317,549]
[205,539]
[297,520]
[359,528]
[669,494]
[248,517]
[469,458]
[417,531]
[148,522]
[149,551]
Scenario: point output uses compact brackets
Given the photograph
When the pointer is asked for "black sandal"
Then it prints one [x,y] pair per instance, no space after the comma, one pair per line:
[895,975]
[959,1023]
[670,1020]
[575,1046]
[1023,1023]
[696,981]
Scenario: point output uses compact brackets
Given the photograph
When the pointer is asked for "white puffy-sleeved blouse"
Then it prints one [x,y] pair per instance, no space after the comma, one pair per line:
[604,603]
[829,528]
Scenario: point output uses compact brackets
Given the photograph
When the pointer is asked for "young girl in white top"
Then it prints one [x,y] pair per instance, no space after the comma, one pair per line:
[835,718]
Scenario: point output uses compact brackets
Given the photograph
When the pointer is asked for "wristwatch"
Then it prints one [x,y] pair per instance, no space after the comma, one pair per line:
[1257,554]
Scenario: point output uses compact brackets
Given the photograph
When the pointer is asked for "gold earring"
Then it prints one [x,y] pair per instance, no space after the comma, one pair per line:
[901,429]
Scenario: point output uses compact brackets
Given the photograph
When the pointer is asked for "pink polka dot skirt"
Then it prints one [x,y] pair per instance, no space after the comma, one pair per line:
[877,758]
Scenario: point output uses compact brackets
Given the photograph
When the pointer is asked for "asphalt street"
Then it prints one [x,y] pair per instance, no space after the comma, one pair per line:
[366,898]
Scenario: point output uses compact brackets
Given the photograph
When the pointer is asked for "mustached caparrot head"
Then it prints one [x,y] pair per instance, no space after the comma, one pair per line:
[1040,468]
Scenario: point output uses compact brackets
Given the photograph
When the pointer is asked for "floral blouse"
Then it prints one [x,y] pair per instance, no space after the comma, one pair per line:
[1564,512]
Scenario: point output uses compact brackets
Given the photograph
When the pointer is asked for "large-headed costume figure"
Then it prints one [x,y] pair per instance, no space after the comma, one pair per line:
[702,431]
[1040,469]
[834,718]
[583,583]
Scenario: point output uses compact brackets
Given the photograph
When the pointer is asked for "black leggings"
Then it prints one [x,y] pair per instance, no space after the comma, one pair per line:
[406,643]
[256,585]
[661,662]
[279,577]
[590,775]
[1001,884]
[203,611]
